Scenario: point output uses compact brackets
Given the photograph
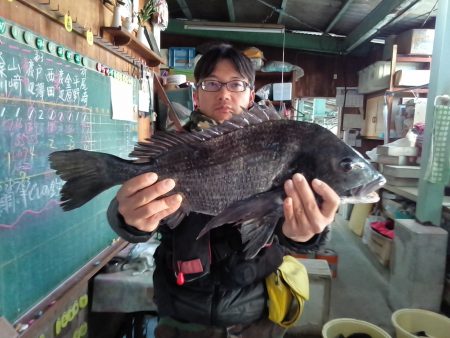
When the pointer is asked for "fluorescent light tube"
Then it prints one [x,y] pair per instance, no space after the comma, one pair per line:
[235,27]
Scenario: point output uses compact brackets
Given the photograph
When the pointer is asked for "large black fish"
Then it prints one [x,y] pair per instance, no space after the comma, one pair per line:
[234,171]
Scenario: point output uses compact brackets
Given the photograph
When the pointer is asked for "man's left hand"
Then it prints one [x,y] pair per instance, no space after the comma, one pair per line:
[304,218]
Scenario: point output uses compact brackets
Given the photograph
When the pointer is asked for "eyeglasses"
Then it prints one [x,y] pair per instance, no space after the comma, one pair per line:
[232,86]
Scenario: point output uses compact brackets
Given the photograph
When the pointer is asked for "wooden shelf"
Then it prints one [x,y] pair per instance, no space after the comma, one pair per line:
[406,91]
[122,37]
[411,193]
[402,91]
[413,58]
[263,78]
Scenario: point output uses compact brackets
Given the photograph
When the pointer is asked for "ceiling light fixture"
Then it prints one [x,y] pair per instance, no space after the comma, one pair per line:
[234,27]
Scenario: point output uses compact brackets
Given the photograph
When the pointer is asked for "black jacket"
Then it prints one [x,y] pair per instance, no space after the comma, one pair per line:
[228,290]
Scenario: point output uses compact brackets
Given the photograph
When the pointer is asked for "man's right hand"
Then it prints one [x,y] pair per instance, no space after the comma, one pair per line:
[140,201]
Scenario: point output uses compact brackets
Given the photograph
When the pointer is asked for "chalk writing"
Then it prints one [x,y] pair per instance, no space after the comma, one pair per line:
[33,76]
[26,193]
[30,128]
[48,103]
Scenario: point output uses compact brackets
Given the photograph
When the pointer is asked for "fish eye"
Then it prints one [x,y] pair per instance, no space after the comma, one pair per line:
[347,164]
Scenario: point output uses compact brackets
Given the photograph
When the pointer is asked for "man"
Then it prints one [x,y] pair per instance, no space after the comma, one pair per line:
[229,300]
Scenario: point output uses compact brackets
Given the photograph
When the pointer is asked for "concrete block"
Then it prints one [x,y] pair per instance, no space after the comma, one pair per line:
[418,266]
[317,309]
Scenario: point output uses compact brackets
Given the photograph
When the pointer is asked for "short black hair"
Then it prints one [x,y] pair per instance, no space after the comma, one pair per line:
[207,63]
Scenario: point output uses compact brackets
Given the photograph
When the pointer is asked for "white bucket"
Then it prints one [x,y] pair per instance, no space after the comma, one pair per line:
[348,326]
[410,321]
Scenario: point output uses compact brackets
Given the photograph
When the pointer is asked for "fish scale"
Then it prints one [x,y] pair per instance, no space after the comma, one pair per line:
[245,164]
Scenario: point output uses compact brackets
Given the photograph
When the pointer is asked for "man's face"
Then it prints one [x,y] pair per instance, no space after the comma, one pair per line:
[223,104]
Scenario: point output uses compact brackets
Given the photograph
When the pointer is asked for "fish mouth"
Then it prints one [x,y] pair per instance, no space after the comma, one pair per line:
[365,193]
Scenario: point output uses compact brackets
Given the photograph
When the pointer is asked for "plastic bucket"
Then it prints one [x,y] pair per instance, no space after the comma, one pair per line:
[176,79]
[348,326]
[409,321]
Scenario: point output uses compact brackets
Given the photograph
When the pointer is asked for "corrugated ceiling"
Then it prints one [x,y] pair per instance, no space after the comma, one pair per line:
[357,21]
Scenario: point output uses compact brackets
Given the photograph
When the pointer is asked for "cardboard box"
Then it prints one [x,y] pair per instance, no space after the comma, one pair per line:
[411,77]
[416,41]
[282,91]
[350,95]
[380,245]
[377,76]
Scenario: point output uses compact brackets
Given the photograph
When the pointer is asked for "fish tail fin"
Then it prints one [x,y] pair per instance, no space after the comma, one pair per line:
[86,173]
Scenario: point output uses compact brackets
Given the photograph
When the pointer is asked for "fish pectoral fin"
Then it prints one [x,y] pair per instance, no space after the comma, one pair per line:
[257,233]
[255,216]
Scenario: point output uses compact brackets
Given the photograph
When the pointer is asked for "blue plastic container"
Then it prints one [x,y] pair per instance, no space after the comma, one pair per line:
[181,57]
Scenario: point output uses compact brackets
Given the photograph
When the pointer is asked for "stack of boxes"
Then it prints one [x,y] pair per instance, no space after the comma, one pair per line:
[397,164]
[413,42]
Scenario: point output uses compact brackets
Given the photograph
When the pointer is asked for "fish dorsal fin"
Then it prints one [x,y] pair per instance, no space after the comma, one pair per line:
[259,113]
[161,142]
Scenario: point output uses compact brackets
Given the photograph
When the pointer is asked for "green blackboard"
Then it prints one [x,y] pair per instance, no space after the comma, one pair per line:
[48,102]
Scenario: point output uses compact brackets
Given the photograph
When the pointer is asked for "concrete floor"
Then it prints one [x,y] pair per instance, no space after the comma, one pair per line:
[360,289]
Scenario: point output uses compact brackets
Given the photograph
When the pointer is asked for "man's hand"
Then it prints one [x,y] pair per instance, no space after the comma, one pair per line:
[304,218]
[140,201]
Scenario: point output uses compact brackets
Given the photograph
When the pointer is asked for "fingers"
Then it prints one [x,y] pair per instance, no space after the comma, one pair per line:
[303,216]
[136,183]
[147,217]
[331,200]
[288,210]
[145,191]
[298,213]
[305,206]
[141,203]
[297,231]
